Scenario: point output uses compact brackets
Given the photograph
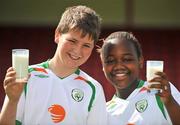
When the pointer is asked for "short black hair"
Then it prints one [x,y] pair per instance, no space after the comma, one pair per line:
[125,36]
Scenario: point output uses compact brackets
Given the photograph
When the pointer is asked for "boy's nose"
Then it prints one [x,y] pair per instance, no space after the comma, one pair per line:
[77,50]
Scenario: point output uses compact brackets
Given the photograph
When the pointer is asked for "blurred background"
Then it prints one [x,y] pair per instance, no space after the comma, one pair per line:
[31,24]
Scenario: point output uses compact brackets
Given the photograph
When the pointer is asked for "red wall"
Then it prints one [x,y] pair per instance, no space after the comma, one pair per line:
[156,43]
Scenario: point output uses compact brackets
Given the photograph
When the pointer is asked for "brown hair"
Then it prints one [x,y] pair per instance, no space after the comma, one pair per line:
[80,18]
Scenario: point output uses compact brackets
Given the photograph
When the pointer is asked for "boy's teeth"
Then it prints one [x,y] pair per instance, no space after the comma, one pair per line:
[75,57]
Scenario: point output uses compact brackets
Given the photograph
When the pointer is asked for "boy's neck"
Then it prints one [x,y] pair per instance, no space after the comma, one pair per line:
[60,70]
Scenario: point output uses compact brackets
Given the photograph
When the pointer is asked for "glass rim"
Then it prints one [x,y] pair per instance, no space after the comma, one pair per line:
[20,49]
[154,61]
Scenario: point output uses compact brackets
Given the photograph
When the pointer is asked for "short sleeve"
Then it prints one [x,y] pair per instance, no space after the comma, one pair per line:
[175,93]
[20,109]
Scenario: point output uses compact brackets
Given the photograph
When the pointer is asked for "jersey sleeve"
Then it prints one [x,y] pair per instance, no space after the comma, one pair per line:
[20,109]
[98,114]
[175,93]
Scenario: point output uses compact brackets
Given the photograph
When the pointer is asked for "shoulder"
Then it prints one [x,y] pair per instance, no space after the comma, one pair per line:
[39,71]
[41,67]
[92,83]
[90,79]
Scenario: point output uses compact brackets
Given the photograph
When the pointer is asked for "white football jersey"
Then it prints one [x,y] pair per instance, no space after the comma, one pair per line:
[49,100]
[140,108]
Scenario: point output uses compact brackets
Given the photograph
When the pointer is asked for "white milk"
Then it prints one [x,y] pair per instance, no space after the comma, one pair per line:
[152,70]
[20,62]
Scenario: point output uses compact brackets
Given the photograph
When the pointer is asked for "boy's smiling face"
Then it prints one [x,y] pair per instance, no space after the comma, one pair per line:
[120,63]
[73,49]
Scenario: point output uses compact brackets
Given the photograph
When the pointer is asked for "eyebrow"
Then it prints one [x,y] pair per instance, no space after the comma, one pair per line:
[89,43]
[72,38]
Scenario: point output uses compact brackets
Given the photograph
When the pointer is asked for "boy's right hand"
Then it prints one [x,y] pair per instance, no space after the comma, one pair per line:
[13,88]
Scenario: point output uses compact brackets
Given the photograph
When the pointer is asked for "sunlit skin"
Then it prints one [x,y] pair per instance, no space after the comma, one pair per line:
[121,66]
[73,50]
[75,36]
[13,87]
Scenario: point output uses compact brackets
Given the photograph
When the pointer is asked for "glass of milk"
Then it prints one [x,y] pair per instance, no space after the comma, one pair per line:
[20,62]
[153,66]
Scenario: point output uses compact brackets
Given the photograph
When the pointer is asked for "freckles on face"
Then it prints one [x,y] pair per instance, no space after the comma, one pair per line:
[120,63]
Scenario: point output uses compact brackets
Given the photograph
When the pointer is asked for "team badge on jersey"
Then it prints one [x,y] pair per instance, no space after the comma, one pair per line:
[141,105]
[77,94]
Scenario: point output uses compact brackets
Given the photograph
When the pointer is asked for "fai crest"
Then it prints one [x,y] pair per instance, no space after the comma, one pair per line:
[141,105]
[77,94]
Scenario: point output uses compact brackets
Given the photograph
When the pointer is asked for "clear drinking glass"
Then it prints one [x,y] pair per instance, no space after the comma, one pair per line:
[153,66]
[20,62]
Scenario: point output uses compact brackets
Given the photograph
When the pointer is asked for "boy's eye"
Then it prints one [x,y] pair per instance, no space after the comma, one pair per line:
[88,46]
[71,41]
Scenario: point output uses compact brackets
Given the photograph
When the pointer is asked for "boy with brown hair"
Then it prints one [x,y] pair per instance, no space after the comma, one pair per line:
[57,91]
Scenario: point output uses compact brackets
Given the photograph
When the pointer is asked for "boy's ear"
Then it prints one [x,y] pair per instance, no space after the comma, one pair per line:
[56,36]
[141,62]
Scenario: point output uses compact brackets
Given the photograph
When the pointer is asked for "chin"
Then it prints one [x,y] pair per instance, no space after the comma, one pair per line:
[73,66]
